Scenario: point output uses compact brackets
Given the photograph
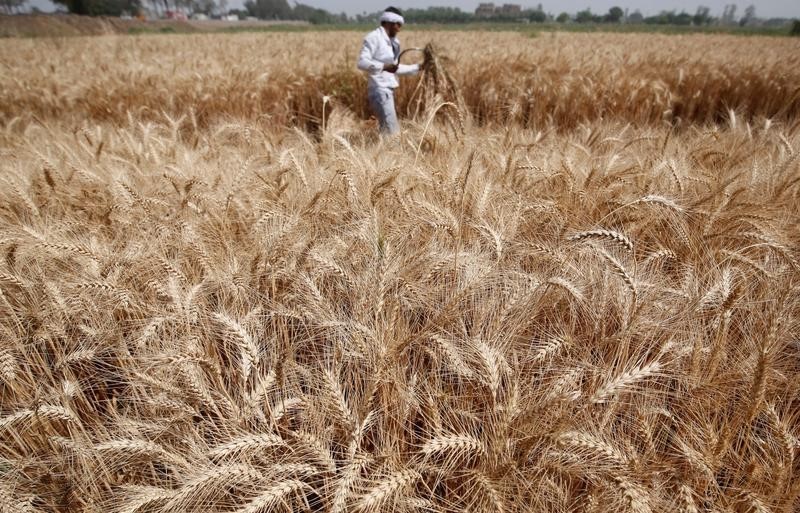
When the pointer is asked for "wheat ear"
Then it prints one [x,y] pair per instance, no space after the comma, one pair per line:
[272,495]
[245,445]
[625,380]
[387,489]
[611,235]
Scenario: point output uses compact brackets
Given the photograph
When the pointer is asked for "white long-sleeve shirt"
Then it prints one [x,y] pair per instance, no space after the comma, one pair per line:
[379,49]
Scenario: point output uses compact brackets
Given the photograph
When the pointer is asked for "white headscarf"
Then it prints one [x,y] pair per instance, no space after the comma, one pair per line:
[391,17]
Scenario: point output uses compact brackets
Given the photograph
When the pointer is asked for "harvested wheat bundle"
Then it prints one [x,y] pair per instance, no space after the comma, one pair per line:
[437,89]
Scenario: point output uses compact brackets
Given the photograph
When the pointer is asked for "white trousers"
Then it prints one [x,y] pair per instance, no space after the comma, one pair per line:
[381,100]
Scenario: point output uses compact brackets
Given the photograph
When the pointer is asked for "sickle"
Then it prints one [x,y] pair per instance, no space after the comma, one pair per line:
[408,50]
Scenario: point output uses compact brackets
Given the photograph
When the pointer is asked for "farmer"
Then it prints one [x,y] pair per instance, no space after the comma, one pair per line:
[379,58]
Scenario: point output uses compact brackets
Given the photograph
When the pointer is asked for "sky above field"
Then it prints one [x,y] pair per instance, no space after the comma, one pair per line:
[764,8]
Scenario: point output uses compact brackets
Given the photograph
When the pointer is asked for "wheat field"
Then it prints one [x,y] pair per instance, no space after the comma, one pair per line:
[572,285]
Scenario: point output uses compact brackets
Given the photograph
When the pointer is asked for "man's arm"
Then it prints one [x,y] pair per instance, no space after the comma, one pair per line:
[407,69]
[367,63]
[365,60]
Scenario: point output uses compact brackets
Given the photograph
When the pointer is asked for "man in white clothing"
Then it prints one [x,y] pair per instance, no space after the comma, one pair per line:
[379,58]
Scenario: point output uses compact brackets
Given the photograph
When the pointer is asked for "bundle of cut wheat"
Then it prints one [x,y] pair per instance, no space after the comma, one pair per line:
[437,91]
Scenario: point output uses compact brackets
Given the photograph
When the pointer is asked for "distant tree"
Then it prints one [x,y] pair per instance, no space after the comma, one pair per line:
[239,13]
[702,17]
[683,18]
[795,28]
[563,18]
[437,15]
[670,18]
[584,16]
[184,6]
[635,17]
[203,6]
[11,6]
[269,9]
[100,7]
[535,15]
[749,16]
[658,19]
[729,15]
[366,17]
[614,15]
[312,14]
[280,10]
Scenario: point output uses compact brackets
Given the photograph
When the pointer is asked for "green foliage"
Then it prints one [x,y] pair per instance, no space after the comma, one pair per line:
[269,9]
[635,17]
[535,15]
[443,15]
[585,16]
[563,17]
[702,16]
[9,6]
[437,15]
[795,28]
[614,15]
[670,18]
[240,13]
[280,10]
[101,7]
[204,6]
[314,15]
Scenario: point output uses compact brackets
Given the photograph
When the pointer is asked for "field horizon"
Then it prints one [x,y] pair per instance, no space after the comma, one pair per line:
[72,25]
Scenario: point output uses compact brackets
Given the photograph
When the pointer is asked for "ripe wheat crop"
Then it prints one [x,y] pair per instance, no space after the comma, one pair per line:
[572,286]
[279,79]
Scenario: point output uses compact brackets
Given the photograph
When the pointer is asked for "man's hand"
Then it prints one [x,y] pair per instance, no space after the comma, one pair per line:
[391,68]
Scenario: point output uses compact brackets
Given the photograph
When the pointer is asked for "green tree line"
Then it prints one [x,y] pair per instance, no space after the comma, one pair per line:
[283,10]
[11,6]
